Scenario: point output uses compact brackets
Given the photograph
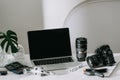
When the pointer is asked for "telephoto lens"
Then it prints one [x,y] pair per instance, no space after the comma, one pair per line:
[81,48]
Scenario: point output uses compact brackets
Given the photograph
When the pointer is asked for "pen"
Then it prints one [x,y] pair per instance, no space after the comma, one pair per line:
[95,72]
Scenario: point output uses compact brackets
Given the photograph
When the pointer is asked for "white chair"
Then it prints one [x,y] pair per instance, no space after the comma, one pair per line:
[98,21]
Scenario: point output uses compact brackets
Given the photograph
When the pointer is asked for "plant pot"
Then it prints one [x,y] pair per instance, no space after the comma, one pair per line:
[19,56]
[6,59]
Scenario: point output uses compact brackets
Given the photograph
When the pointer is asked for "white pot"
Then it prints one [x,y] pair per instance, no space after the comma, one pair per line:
[6,58]
[19,56]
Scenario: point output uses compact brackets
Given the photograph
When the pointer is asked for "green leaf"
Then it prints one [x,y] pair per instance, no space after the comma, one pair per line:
[14,38]
[2,35]
[10,33]
[7,47]
[3,43]
[15,43]
[9,40]
[14,49]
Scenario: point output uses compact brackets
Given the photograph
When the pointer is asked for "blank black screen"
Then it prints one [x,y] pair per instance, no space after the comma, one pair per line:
[49,43]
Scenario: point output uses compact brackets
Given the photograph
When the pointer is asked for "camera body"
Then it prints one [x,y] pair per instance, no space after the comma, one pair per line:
[103,57]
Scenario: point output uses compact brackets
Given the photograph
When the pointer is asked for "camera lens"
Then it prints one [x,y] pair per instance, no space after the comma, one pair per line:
[90,62]
[81,48]
[94,61]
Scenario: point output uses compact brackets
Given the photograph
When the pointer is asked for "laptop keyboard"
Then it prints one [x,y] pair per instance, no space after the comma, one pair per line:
[53,61]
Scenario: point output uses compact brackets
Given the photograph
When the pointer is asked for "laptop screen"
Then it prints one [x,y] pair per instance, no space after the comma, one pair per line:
[49,43]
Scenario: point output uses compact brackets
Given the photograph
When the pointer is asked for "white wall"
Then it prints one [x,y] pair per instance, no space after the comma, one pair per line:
[24,15]
[55,11]
[21,16]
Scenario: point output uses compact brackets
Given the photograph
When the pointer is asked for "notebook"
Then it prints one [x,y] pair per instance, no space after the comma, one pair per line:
[50,48]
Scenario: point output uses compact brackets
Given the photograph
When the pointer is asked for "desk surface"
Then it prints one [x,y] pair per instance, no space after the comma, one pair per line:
[76,75]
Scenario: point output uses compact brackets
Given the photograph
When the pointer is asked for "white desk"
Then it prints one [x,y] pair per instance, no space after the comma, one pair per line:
[76,75]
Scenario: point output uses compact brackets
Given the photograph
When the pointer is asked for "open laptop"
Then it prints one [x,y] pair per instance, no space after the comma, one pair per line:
[51,48]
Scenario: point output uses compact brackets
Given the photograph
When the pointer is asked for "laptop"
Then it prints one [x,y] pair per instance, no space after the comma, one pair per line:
[50,48]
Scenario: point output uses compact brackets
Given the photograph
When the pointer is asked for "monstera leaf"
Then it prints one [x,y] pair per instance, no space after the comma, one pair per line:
[9,40]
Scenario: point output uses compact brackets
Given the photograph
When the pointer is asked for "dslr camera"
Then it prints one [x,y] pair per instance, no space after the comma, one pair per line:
[103,57]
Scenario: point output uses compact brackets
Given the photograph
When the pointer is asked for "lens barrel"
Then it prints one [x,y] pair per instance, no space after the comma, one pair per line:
[81,48]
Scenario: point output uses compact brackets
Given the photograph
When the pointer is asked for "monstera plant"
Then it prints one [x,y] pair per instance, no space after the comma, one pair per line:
[9,41]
